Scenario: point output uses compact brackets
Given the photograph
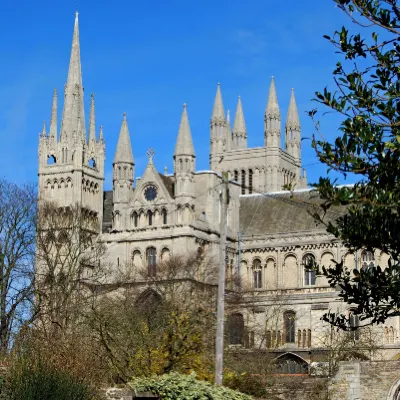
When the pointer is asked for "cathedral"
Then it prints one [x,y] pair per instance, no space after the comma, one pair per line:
[271,234]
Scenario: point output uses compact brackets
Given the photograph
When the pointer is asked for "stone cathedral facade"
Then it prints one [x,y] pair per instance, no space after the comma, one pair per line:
[270,232]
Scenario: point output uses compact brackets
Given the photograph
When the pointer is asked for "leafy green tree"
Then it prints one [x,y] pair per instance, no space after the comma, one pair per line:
[367,96]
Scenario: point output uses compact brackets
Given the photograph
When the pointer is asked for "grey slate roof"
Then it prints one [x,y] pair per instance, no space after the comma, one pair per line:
[169,183]
[273,214]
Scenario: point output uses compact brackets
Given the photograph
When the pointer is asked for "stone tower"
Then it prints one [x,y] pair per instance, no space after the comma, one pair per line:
[220,138]
[71,168]
[123,177]
[272,137]
[184,160]
[292,131]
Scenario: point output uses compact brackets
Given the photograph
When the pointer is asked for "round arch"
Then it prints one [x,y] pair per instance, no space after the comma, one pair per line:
[394,392]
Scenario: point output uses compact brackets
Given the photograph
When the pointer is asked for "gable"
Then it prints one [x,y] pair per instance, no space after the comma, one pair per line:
[162,183]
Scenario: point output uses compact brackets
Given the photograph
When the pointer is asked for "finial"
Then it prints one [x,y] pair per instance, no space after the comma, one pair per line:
[272,77]
[150,153]
[92,95]
[165,170]
[228,115]
[184,105]
[218,84]
[124,116]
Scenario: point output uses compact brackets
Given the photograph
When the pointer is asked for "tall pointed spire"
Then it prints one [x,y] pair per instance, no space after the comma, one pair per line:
[292,120]
[272,109]
[124,149]
[73,99]
[53,121]
[239,126]
[92,122]
[218,109]
[184,143]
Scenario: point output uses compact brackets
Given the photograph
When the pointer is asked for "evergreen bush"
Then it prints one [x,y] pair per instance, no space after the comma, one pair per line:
[35,380]
[176,386]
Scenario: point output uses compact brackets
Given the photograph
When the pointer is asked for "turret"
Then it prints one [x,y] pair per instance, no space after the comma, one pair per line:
[123,173]
[239,133]
[219,130]
[184,159]
[292,131]
[272,119]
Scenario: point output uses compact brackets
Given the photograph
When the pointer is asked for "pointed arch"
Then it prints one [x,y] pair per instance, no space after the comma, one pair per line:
[291,363]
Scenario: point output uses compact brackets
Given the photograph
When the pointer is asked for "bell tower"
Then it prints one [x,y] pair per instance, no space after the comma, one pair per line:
[71,166]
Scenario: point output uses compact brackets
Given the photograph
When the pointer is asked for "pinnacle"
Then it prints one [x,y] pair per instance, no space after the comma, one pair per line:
[292,120]
[184,143]
[124,149]
[218,110]
[53,120]
[239,125]
[92,121]
[272,108]
[44,134]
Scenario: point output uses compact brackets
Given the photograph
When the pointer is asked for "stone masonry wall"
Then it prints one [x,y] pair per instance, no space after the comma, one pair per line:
[366,380]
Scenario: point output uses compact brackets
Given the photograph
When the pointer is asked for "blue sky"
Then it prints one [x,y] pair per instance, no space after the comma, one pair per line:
[149,57]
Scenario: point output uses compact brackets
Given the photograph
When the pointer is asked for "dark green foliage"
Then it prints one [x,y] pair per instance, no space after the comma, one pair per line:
[36,380]
[368,147]
[253,385]
[175,386]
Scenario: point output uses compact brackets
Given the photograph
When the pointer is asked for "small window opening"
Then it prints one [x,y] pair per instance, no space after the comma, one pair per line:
[51,160]
[92,163]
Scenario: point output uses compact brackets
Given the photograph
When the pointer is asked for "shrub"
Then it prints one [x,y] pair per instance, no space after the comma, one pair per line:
[36,380]
[254,385]
[175,386]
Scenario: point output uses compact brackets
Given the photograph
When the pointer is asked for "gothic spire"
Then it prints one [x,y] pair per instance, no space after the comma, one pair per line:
[184,143]
[272,109]
[73,99]
[53,121]
[239,126]
[124,149]
[92,122]
[292,120]
[218,109]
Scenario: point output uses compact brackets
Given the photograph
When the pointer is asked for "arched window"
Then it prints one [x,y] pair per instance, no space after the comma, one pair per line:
[150,217]
[367,260]
[354,322]
[235,328]
[243,181]
[117,220]
[135,219]
[289,326]
[236,176]
[164,216]
[257,274]
[51,160]
[309,271]
[92,163]
[250,181]
[151,261]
